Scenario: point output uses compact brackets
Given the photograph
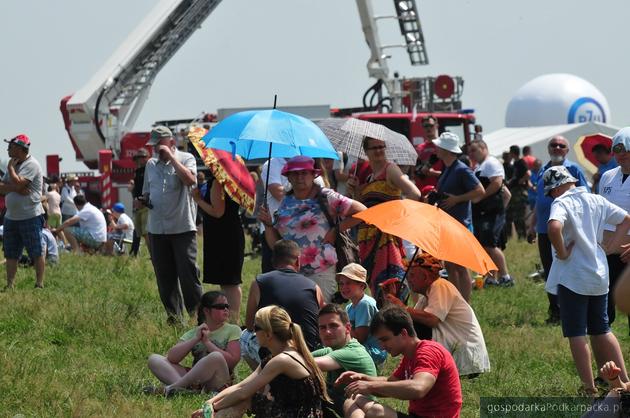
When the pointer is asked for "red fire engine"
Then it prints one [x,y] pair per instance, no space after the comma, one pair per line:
[100,116]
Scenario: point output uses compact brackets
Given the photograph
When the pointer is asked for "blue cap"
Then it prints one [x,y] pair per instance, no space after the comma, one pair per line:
[622,137]
[118,207]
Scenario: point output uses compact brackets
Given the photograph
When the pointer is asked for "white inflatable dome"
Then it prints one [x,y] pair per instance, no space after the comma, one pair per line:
[556,99]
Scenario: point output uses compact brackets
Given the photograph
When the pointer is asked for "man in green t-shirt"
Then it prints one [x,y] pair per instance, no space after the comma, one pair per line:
[341,352]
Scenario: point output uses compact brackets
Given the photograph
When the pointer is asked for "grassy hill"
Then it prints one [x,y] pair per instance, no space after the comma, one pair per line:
[79,347]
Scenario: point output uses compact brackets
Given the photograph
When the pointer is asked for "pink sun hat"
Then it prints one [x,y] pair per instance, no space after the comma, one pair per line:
[300,163]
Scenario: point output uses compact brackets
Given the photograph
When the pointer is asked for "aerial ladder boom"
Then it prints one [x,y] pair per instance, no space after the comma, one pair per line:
[410,29]
[103,110]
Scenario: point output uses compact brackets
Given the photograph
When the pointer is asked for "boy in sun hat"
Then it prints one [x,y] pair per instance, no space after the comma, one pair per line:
[361,309]
[579,272]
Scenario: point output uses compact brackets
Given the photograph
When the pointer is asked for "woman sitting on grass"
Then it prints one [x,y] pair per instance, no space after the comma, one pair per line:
[214,346]
[296,385]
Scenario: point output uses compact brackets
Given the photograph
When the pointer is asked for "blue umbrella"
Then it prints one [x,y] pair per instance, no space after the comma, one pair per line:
[257,134]
[269,133]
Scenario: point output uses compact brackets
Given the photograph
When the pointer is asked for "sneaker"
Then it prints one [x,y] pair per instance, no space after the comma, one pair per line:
[169,393]
[154,390]
[506,281]
[490,282]
[443,274]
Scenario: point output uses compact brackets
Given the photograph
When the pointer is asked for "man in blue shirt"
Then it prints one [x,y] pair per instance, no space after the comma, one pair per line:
[536,174]
[456,188]
[558,148]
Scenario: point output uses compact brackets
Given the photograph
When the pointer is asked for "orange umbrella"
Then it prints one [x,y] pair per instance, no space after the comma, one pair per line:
[432,230]
[229,171]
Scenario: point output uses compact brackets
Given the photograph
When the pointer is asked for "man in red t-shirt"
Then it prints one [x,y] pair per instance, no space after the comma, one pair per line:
[426,376]
[528,157]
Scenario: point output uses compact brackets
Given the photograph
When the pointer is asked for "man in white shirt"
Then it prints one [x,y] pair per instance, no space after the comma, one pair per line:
[615,187]
[579,272]
[92,229]
[489,210]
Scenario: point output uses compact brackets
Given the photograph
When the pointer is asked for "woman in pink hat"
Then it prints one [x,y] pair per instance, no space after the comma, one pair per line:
[301,218]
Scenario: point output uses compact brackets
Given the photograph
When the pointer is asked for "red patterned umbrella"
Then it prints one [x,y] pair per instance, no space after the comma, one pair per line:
[230,171]
[584,149]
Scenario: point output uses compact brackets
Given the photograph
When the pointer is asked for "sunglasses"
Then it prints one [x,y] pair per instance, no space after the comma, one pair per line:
[257,328]
[376,147]
[556,145]
[428,125]
[619,148]
[220,306]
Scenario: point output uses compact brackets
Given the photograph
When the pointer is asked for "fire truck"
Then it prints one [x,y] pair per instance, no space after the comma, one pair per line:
[99,117]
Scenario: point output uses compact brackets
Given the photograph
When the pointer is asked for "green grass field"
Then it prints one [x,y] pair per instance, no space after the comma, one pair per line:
[79,347]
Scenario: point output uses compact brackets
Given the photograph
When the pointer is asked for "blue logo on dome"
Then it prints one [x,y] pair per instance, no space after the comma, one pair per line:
[586,109]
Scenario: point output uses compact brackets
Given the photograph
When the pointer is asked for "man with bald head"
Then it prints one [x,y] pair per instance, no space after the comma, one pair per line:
[558,148]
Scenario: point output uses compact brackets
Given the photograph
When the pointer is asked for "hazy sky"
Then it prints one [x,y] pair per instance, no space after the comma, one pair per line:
[307,52]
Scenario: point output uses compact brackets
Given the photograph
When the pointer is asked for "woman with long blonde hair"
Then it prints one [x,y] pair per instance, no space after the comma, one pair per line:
[296,385]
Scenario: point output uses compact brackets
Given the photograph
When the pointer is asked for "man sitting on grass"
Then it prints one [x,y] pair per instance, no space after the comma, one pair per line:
[451,319]
[426,376]
[92,229]
[341,352]
[285,287]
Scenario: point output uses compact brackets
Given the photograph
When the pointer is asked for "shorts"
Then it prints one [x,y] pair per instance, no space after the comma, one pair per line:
[115,236]
[22,234]
[140,220]
[54,220]
[489,230]
[249,345]
[582,314]
[65,217]
[84,237]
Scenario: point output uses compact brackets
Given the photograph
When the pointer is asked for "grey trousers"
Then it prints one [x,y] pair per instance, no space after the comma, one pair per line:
[174,258]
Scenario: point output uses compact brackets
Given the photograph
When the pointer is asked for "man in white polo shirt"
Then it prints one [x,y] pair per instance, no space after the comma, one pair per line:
[615,187]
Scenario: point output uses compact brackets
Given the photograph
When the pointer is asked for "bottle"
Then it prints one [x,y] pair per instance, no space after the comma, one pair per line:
[479,282]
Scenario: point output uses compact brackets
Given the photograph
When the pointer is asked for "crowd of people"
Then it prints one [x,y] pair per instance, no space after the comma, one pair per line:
[319,327]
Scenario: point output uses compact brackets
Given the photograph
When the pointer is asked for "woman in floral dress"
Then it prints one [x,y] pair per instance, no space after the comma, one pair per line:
[300,218]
